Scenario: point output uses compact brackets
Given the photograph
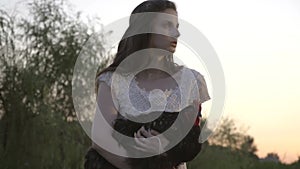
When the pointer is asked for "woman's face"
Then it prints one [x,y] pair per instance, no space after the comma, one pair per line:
[166,31]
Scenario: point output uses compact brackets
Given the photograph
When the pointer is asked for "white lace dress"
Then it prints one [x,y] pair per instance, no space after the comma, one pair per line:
[129,98]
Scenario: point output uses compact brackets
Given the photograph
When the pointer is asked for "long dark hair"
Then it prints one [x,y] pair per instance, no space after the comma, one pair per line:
[138,42]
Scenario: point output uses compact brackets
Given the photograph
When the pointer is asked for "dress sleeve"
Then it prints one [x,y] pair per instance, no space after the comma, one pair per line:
[203,92]
[201,87]
[106,77]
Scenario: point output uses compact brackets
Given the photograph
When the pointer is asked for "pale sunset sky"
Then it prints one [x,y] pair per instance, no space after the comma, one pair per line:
[258,44]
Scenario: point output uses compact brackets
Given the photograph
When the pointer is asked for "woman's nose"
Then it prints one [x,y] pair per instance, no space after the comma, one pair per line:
[175,33]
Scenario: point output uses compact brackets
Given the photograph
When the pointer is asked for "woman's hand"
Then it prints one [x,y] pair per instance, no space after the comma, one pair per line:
[152,144]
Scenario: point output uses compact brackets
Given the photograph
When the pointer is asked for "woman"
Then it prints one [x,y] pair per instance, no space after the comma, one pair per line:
[164,37]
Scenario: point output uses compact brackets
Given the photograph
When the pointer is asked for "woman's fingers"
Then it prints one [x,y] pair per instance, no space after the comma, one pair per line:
[142,132]
[154,132]
[142,143]
[147,141]
[138,134]
[141,140]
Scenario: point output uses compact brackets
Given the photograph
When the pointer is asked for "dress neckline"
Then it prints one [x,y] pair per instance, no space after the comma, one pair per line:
[167,92]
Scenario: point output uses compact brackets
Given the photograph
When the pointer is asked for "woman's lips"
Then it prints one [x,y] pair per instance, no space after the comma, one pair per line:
[174,44]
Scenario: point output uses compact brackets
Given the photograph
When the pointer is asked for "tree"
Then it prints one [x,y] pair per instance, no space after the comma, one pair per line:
[229,135]
[38,127]
[272,157]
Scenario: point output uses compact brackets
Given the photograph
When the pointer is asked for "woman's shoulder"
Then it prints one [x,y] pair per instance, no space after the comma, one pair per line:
[196,74]
[201,85]
[105,77]
[110,77]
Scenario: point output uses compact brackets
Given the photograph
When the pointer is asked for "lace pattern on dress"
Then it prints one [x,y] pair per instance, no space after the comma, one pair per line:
[135,100]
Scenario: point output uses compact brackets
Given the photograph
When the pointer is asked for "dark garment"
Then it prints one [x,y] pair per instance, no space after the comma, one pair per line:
[93,160]
[184,151]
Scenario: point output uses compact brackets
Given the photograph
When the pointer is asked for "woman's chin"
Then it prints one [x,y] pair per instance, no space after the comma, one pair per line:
[172,49]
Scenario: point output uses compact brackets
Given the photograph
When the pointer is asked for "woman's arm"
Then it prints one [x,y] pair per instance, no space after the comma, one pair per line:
[102,132]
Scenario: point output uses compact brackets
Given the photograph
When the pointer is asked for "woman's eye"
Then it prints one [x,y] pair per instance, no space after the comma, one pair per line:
[169,25]
[165,25]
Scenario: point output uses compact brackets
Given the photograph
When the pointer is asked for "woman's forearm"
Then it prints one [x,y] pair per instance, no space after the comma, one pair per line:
[118,161]
[102,136]
[102,129]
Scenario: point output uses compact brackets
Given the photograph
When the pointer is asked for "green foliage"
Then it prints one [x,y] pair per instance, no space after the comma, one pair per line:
[216,157]
[229,135]
[231,148]
[213,157]
[38,128]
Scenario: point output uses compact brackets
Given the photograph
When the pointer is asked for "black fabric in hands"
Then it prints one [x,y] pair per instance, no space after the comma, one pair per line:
[186,150]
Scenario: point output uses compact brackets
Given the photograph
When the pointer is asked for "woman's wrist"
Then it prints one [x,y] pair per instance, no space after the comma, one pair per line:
[161,150]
